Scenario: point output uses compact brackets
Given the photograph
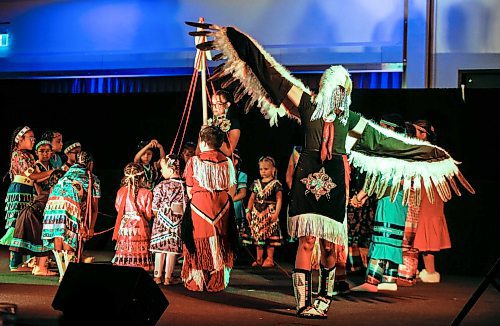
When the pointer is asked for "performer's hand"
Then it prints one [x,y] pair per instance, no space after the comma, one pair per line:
[274,217]
[91,233]
[153,143]
[354,202]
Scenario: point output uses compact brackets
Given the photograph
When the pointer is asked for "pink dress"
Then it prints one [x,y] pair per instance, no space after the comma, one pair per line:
[432,231]
[132,232]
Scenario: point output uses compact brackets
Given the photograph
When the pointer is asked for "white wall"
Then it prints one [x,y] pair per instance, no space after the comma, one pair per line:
[467,37]
[133,34]
[109,34]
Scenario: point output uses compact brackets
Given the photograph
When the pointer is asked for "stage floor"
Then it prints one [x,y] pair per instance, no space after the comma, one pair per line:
[265,297]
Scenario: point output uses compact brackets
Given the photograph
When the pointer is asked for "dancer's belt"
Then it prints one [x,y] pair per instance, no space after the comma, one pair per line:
[22,179]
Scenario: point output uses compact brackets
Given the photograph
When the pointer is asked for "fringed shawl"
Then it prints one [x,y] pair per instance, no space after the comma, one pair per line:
[214,176]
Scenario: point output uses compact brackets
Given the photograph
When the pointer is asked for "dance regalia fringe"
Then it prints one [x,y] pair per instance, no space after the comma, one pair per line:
[262,229]
[21,191]
[65,207]
[211,234]
[133,235]
[259,80]
[61,218]
[385,156]
[28,231]
[18,197]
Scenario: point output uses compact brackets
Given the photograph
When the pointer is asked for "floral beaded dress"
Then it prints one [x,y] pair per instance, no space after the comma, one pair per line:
[169,201]
[21,191]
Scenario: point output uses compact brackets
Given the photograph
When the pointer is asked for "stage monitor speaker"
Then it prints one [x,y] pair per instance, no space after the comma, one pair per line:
[102,293]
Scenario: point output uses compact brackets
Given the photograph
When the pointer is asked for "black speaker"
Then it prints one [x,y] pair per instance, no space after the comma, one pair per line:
[102,293]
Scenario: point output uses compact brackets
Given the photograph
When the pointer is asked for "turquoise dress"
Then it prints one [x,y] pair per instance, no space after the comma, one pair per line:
[388,229]
[239,208]
[66,207]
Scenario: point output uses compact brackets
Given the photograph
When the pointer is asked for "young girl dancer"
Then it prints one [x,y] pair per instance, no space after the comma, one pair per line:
[56,141]
[169,202]
[134,206]
[21,192]
[27,235]
[71,211]
[71,149]
[145,156]
[263,212]
[44,152]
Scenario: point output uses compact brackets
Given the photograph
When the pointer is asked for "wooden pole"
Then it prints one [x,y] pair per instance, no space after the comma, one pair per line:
[203,69]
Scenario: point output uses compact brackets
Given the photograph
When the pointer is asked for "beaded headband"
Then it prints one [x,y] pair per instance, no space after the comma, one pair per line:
[21,133]
[72,146]
[42,142]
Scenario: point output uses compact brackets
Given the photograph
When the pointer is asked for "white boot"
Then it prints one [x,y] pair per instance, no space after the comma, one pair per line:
[159,262]
[302,288]
[325,290]
[387,286]
[427,277]
[61,266]
[169,269]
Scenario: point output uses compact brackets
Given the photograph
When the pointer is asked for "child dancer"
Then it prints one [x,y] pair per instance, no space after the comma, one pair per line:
[72,200]
[27,235]
[71,149]
[241,193]
[209,229]
[134,206]
[144,157]
[263,212]
[21,192]
[169,202]
[386,251]
[56,141]
[44,152]
[432,231]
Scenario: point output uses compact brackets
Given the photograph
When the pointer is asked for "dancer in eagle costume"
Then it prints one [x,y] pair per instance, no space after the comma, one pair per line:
[334,137]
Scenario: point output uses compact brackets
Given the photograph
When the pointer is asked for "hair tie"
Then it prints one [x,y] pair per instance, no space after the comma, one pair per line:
[134,174]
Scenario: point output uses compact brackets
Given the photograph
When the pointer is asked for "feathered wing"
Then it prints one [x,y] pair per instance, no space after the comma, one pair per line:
[392,160]
[255,71]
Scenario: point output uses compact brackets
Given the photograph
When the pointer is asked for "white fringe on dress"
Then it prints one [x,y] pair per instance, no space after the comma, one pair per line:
[318,226]
[214,176]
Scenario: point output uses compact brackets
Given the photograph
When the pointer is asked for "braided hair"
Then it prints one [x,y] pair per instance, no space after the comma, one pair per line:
[272,161]
[134,178]
[84,158]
